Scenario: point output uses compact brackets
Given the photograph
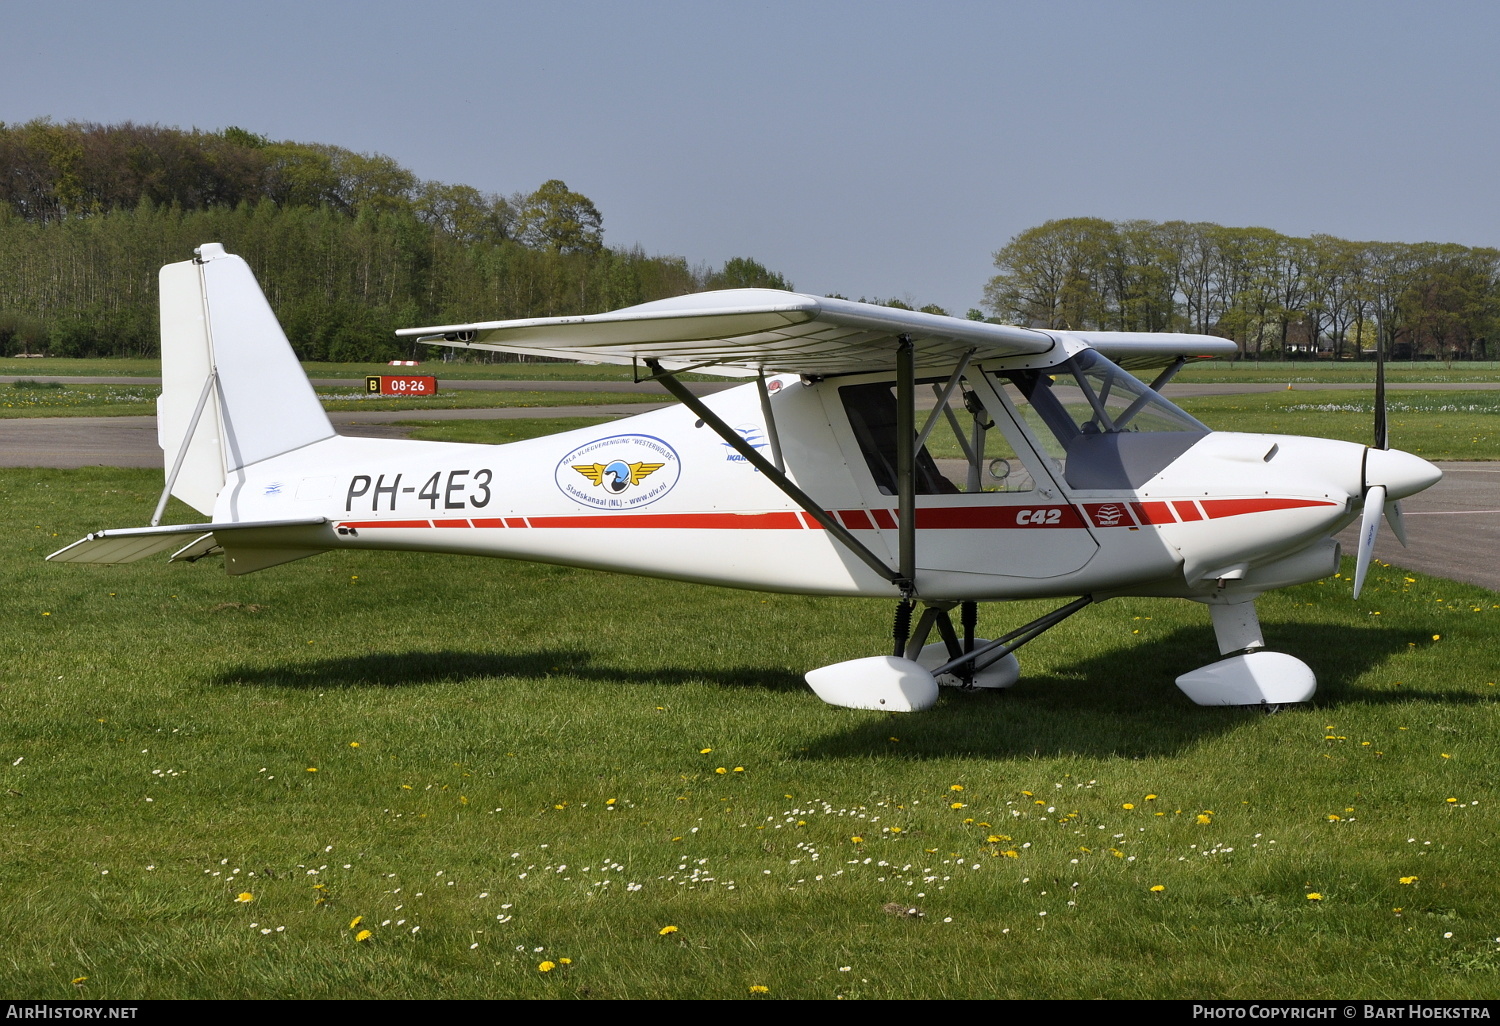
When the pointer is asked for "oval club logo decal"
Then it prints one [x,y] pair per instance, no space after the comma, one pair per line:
[621,472]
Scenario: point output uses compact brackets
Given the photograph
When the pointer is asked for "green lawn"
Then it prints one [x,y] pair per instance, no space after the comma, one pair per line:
[1324,371]
[494,766]
[1435,425]
[46,399]
[457,370]
[493,432]
[1240,371]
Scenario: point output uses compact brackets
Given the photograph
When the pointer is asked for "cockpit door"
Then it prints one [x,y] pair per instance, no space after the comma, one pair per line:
[987,502]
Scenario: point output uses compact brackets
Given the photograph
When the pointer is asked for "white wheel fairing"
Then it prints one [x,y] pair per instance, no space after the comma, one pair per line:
[880,683]
[1255,678]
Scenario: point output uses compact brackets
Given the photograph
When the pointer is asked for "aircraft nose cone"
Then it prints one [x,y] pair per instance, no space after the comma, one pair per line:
[1401,473]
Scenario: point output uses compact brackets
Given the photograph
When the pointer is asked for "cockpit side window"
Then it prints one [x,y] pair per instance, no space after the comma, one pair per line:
[963,452]
[872,415]
[1102,426]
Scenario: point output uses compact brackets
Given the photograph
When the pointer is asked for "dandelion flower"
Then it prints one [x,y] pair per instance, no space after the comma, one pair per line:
[79,980]
[1157,888]
[666,930]
[1127,805]
[1314,896]
[955,787]
[958,805]
[362,936]
[721,769]
[1204,819]
[704,751]
[564,961]
[356,921]
[245,896]
[758,989]
[1408,879]
[353,744]
[1150,797]
[546,967]
[857,839]
[312,769]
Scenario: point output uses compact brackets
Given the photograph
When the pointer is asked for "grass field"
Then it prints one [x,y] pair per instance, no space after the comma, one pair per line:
[492,432]
[1434,425]
[456,370]
[1240,371]
[28,398]
[1349,371]
[531,781]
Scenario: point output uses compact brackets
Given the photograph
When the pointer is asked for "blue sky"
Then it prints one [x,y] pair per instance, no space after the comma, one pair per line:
[876,149]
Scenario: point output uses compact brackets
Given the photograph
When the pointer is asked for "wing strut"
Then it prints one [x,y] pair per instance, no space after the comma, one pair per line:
[1168,373]
[737,442]
[771,435]
[906,462]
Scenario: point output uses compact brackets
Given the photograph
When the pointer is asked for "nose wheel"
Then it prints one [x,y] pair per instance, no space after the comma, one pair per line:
[1251,675]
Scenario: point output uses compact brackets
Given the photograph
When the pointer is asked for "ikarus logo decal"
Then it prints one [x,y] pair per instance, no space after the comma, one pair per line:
[620,472]
[754,435]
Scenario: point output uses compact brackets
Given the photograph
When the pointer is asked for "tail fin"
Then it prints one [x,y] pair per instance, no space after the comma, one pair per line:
[233,392]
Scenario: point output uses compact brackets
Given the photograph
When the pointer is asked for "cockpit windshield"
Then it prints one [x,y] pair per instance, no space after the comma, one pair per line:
[1101,425]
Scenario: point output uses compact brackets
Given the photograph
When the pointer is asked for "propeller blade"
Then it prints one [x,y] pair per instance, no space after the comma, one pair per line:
[1382,434]
[1369,524]
[1397,521]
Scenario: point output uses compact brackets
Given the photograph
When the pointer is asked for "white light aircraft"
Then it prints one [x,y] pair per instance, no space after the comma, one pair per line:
[879,452]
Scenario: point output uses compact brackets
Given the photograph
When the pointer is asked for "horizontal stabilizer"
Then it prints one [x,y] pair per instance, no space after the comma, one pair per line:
[128,544]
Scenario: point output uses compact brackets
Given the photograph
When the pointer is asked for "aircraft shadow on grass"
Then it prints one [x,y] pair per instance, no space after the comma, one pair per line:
[1121,702]
[417,669]
[1124,702]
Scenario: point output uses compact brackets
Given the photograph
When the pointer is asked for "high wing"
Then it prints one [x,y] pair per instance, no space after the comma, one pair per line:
[748,331]
[1137,350]
[741,332]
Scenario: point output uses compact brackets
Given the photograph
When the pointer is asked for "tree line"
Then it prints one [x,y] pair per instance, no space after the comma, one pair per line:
[348,247]
[1275,295]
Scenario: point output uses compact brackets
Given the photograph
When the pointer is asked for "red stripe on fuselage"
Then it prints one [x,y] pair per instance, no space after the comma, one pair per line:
[943,518]
[1153,512]
[1217,508]
[678,521]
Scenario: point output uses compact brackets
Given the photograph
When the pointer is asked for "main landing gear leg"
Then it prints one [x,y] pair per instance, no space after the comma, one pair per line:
[905,684]
[1250,675]
[1001,673]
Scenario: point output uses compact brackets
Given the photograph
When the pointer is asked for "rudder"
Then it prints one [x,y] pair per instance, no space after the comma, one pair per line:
[233,393]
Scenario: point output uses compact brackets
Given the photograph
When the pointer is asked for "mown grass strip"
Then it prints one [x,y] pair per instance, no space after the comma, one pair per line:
[44,400]
[493,765]
[1434,425]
